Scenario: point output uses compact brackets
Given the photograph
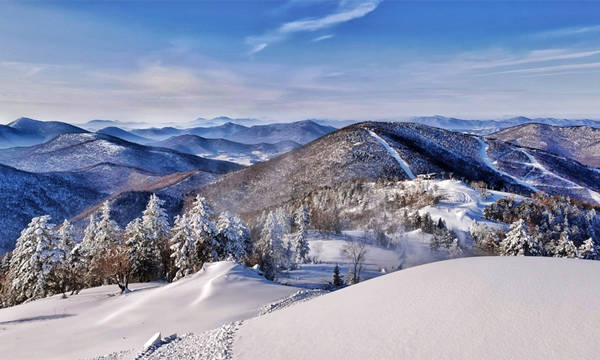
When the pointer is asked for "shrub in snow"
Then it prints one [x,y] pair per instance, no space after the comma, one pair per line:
[565,247]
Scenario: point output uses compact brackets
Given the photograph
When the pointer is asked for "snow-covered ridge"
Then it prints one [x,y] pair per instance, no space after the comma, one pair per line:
[394,154]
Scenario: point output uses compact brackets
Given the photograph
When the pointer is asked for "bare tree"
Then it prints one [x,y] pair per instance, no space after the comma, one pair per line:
[115,266]
[355,250]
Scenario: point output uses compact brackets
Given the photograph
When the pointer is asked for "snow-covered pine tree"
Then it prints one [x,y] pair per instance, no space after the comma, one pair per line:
[299,239]
[183,253]
[588,250]
[271,246]
[106,235]
[234,236]
[62,274]
[144,255]
[338,280]
[156,226]
[518,242]
[565,247]
[204,230]
[33,259]
[66,240]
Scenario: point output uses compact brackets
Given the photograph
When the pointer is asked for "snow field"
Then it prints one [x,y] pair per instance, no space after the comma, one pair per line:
[469,308]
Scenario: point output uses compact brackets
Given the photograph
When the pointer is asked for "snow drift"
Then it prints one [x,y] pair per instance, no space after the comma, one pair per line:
[95,322]
[472,308]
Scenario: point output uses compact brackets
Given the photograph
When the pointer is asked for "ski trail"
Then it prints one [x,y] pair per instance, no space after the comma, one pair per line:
[486,159]
[403,164]
[536,164]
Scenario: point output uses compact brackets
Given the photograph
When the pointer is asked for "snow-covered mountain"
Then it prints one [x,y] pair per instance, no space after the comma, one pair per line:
[77,151]
[581,143]
[157,134]
[400,150]
[123,134]
[217,132]
[226,150]
[26,132]
[25,195]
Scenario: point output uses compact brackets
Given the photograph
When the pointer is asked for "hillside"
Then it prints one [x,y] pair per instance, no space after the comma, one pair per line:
[474,308]
[25,195]
[581,143]
[224,149]
[301,132]
[76,151]
[215,132]
[402,150]
[76,327]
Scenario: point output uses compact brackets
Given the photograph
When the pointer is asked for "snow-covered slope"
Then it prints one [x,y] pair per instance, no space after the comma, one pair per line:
[472,308]
[581,143]
[25,195]
[95,322]
[27,132]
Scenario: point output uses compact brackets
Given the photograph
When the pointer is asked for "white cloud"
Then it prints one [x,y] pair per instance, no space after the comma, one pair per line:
[321,38]
[571,31]
[347,10]
[258,48]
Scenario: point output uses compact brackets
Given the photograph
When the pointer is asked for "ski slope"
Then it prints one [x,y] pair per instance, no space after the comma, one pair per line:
[403,164]
[470,308]
[97,321]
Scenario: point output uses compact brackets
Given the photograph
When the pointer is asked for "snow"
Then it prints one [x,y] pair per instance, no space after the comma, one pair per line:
[461,205]
[97,322]
[486,159]
[403,164]
[470,308]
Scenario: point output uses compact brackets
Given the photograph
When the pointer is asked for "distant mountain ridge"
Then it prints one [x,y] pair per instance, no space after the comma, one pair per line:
[26,132]
[76,151]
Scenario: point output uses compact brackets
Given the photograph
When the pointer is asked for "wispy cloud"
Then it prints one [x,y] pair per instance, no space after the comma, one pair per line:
[550,69]
[347,10]
[570,31]
[539,56]
[321,38]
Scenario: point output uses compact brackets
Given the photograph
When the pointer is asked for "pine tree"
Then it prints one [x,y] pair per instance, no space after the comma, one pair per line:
[299,240]
[107,231]
[518,242]
[271,246]
[565,247]
[32,260]
[144,255]
[156,226]
[204,230]
[588,250]
[106,236]
[62,277]
[338,280]
[183,249]
[234,237]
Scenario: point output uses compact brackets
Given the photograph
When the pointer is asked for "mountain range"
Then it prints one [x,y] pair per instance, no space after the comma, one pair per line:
[375,150]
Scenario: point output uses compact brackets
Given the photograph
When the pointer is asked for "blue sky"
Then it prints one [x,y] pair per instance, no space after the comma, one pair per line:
[170,61]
